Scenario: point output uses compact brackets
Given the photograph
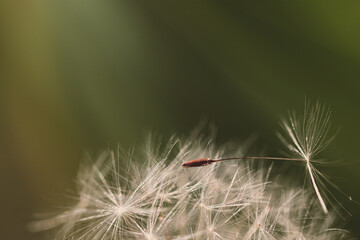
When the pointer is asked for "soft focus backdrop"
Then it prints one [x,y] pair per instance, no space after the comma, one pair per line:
[81,76]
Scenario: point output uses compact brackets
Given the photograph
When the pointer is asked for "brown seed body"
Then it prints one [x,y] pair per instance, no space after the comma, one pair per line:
[198,162]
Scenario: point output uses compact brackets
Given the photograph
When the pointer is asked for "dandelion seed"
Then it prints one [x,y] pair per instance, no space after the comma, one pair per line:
[306,137]
[207,161]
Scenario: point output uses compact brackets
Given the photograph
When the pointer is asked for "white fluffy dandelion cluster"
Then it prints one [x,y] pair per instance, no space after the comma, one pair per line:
[153,197]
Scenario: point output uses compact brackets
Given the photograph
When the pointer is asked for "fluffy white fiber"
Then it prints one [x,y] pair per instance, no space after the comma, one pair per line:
[149,195]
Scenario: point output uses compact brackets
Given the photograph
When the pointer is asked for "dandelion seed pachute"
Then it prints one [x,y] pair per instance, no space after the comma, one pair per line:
[306,136]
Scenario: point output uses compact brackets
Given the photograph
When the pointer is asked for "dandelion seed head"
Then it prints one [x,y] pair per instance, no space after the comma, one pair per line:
[150,196]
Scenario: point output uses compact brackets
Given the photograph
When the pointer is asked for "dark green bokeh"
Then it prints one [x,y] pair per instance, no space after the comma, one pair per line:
[82,75]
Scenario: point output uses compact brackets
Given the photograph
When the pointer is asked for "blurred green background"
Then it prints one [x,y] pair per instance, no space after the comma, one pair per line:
[81,76]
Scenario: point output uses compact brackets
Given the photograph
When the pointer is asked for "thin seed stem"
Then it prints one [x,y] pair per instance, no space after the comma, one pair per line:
[266,158]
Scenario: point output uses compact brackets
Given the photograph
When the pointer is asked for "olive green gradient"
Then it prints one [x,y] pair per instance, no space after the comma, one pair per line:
[81,76]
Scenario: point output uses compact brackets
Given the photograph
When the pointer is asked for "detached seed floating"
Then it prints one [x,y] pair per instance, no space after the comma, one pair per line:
[207,161]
